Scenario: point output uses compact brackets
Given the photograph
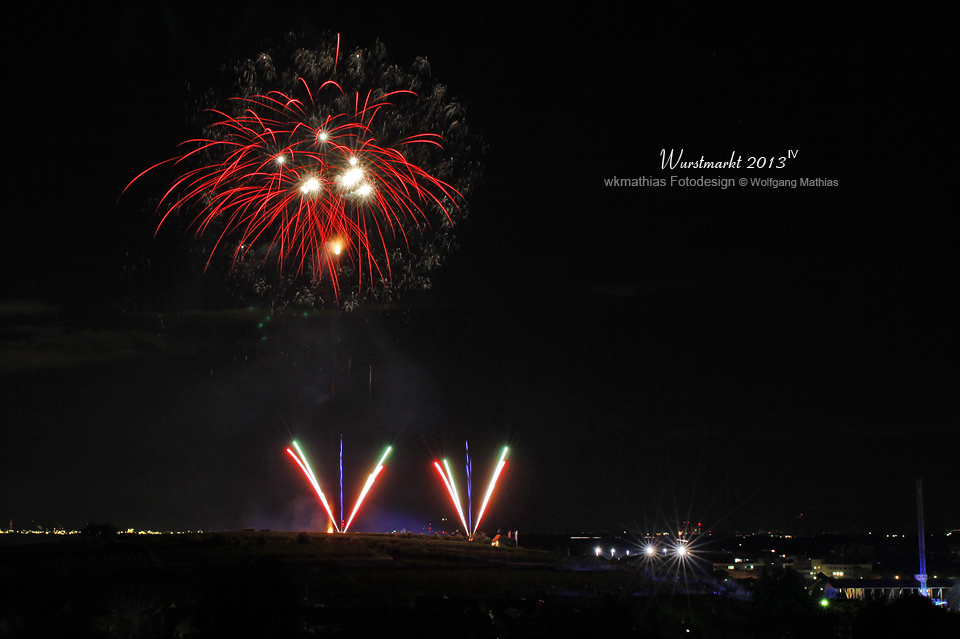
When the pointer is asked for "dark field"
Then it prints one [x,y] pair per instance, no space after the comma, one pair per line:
[293,584]
[277,584]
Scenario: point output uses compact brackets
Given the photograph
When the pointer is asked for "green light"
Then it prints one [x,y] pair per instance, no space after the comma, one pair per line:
[824,602]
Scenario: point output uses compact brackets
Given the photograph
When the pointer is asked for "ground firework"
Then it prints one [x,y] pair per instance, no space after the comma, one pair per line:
[335,178]
[447,476]
[304,465]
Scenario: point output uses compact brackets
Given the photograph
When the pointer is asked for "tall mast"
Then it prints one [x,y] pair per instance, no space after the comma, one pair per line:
[922,577]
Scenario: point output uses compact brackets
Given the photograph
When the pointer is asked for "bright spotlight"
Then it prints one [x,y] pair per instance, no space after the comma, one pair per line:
[598,550]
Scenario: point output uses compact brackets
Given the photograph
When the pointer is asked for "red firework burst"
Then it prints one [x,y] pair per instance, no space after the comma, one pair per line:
[313,185]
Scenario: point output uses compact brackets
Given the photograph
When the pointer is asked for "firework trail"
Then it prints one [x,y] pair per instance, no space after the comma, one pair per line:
[327,170]
[451,488]
[305,466]
[366,487]
[466,445]
[493,483]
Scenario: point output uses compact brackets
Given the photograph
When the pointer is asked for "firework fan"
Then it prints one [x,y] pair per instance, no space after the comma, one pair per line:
[329,178]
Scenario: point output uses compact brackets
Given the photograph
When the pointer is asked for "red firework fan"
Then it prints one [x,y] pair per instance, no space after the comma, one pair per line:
[308,185]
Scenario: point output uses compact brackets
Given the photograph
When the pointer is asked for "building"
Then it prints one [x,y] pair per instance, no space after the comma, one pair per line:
[886,588]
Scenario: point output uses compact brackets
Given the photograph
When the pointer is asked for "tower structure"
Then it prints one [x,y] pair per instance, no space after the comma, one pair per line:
[922,577]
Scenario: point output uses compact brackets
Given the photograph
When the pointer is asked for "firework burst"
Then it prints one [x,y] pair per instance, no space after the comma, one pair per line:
[329,174]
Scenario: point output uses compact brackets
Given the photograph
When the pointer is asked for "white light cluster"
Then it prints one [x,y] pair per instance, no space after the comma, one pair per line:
[311,185]
[351,177]
[351,180]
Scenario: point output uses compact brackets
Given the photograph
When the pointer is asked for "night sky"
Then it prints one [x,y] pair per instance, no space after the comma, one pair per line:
[734,356]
